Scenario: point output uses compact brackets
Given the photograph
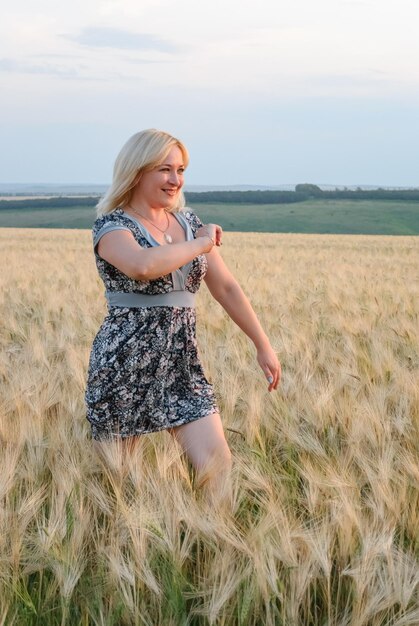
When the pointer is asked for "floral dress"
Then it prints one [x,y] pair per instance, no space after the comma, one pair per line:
[144,371]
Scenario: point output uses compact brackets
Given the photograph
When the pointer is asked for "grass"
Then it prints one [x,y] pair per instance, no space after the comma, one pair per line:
[318,216]
[373,217]
[324,526]
[47,217]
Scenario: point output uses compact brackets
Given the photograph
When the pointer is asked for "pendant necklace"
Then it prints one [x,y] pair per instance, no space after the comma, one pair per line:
[166,236]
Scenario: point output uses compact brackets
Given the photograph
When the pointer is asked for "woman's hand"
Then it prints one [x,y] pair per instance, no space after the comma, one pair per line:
[270,365]
[214,231]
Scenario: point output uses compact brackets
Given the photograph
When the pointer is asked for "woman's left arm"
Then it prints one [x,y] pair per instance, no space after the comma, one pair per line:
[227,291]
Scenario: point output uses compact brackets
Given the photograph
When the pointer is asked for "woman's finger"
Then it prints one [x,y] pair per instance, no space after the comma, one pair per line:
[270,377]
[273,375]
[270,366]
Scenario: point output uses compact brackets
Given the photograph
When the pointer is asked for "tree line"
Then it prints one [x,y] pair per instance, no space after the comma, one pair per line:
[302,192]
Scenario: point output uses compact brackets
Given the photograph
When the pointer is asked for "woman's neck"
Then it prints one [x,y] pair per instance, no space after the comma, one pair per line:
[142,208]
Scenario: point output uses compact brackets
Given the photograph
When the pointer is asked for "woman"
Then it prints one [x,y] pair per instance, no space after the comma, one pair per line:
[144,371]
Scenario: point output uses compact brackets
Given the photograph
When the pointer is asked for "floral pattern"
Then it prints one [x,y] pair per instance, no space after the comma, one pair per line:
[144,371]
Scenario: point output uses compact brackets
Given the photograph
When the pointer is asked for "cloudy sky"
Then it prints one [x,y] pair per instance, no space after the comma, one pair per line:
[265,92]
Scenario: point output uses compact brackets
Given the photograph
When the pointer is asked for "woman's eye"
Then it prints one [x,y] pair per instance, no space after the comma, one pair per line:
[167,169]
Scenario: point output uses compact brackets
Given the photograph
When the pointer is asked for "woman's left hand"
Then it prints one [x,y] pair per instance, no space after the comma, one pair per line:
[270,365]
[213,230]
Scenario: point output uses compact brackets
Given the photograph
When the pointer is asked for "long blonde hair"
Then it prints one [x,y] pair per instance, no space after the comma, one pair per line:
[142,152]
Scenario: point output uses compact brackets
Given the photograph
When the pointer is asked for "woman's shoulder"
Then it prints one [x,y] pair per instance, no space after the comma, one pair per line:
[116,217]
[116,220]
[193,219]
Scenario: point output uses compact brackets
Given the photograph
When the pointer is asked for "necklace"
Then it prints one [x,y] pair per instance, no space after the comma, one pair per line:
[167,237]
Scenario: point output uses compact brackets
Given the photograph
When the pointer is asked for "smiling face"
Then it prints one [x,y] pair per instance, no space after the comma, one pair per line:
[160,187]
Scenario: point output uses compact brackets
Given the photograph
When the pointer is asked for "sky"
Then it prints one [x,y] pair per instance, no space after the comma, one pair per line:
[266,92]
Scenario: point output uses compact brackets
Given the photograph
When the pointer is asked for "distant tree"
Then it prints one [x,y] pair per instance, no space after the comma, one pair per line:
[309,189]
[271,196]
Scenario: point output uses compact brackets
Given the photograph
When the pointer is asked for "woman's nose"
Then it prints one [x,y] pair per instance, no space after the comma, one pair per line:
[174,178]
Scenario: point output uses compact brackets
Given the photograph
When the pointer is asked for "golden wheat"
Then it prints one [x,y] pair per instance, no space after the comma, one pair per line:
[324,526]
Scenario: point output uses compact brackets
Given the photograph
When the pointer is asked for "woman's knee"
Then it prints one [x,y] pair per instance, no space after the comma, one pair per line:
[223,452]
[215,456]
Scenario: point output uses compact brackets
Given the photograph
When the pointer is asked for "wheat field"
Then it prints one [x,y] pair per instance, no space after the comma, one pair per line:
[324,527]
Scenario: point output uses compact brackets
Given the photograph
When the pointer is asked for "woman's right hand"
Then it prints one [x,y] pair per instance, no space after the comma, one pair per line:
[213,232]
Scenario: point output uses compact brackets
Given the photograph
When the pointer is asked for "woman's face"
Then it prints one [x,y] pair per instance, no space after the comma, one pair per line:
[160,187]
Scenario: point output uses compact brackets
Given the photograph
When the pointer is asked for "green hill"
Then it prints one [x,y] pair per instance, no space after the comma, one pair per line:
[314,215]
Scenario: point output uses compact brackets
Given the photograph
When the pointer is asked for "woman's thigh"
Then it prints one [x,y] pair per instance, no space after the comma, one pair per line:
[203,439]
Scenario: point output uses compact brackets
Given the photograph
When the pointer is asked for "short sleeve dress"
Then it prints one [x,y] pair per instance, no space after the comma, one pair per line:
[144,372]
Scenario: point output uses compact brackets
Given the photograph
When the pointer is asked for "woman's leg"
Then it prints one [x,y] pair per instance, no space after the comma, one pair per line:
[204,443]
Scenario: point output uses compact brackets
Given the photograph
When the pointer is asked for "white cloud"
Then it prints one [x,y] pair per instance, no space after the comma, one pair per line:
[105,37]
[16,67]
[272,47]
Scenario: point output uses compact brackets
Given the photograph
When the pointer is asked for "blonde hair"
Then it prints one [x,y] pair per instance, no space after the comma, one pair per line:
[142,152]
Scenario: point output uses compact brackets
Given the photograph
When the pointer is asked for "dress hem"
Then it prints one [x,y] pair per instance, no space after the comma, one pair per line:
[108,437]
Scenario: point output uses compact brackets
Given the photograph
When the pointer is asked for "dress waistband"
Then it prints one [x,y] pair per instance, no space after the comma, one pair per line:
[171,298]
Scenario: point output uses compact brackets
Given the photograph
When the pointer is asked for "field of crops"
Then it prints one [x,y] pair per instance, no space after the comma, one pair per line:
[325,517]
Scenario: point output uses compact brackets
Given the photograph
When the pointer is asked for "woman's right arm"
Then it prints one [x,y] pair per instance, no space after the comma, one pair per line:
[120,249]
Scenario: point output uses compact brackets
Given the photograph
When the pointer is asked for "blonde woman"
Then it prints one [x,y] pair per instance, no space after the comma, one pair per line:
[152,254]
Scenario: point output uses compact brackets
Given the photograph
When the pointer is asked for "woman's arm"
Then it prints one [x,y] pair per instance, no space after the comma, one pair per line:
[121,250]
[226,290]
